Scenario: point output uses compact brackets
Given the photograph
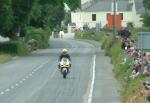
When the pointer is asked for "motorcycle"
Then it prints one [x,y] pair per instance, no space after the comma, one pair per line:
[64,67]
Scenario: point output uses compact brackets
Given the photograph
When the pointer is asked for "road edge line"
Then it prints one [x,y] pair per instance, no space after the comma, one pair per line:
[93,81]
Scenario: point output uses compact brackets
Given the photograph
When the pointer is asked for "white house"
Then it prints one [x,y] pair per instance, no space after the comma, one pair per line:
[101,12]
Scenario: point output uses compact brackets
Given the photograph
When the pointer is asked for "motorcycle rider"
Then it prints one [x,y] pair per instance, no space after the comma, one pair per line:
[64,54]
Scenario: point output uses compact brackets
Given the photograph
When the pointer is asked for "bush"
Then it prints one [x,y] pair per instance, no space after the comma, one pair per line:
[89,34]
[136,30]
[40,35]
[121,71]
[14,47]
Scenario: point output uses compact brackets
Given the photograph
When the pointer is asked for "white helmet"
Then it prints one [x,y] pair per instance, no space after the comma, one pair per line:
[65,51]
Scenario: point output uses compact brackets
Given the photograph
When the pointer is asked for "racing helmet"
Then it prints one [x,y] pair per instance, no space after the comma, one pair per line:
[65,51]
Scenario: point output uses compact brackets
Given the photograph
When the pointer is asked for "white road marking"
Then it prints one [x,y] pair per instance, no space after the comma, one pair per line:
[27,77]
[21,81]
[2,93]
[12,87]
[17,84]
[24,79]
[93,81]
[7,90]
[30,74]
[53,74]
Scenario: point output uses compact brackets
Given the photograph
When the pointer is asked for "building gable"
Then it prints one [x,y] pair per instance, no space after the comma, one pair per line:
[106,5]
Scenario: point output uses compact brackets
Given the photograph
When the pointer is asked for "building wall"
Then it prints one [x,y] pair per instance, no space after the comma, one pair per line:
[81,18]
[128,17]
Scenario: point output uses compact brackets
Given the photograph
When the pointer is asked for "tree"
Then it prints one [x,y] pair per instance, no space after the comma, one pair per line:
[21,12]
[67,18]
[73,4]
[146,4]
[49,13]
[146,14]
[16,15]
[146,18]
[5,17]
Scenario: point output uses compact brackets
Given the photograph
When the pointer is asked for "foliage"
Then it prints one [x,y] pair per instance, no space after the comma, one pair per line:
[67,18]
[89,34]
[146,18]
[146,4]
[121,71]
[40,35]
[73,4]
[14,47]
[5,16]
[47,13]
[16,15]
[146,14]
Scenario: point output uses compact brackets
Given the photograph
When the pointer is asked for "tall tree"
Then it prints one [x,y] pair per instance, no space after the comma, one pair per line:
[146,14]
[146,4]
[5,17]
[51,13]
[21,13]
[146,18]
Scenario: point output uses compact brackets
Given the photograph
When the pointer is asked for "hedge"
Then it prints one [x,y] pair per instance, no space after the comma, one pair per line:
[14,47]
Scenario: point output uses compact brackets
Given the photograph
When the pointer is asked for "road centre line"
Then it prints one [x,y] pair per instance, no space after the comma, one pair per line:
[12,87]
[2,93]
[30,74]
[24,79]
[93,81]
[7,90]
[21,81]
[17,84]
[27,77]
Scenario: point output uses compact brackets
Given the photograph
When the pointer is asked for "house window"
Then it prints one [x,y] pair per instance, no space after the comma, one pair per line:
[93,17]
[121,14]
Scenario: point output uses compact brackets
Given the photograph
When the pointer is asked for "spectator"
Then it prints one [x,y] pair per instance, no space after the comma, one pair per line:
[137,71]
[147,71]
[125,33]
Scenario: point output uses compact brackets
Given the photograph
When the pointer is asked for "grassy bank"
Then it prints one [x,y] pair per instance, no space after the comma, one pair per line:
[130,88]
[4,58]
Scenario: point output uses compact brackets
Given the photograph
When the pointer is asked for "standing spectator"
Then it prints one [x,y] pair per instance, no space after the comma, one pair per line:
[61,34]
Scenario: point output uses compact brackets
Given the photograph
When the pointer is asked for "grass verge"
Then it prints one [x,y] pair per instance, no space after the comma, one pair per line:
[4,58]
[130,88]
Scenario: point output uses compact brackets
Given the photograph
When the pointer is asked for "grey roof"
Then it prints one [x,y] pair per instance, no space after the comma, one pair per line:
[139,6]
[106,5]
[86,5]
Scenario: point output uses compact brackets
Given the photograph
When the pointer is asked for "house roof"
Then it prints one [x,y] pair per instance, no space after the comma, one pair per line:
[106,5]
[86,5]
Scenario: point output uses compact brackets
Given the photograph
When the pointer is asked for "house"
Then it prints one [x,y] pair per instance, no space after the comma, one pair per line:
[100,12]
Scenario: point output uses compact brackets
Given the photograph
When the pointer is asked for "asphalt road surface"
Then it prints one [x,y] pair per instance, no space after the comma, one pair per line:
[36,79]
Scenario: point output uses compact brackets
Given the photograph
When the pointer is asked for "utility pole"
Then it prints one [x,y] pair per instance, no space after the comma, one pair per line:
[115,24]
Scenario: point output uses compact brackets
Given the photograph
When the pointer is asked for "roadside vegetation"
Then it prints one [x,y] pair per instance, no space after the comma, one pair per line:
[29,23]
[5,58]
[132,89]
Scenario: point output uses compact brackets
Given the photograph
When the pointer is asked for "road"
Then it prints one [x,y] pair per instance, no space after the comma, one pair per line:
[36,79]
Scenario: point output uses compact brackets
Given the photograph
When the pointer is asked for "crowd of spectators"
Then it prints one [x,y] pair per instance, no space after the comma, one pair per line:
[141,59]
